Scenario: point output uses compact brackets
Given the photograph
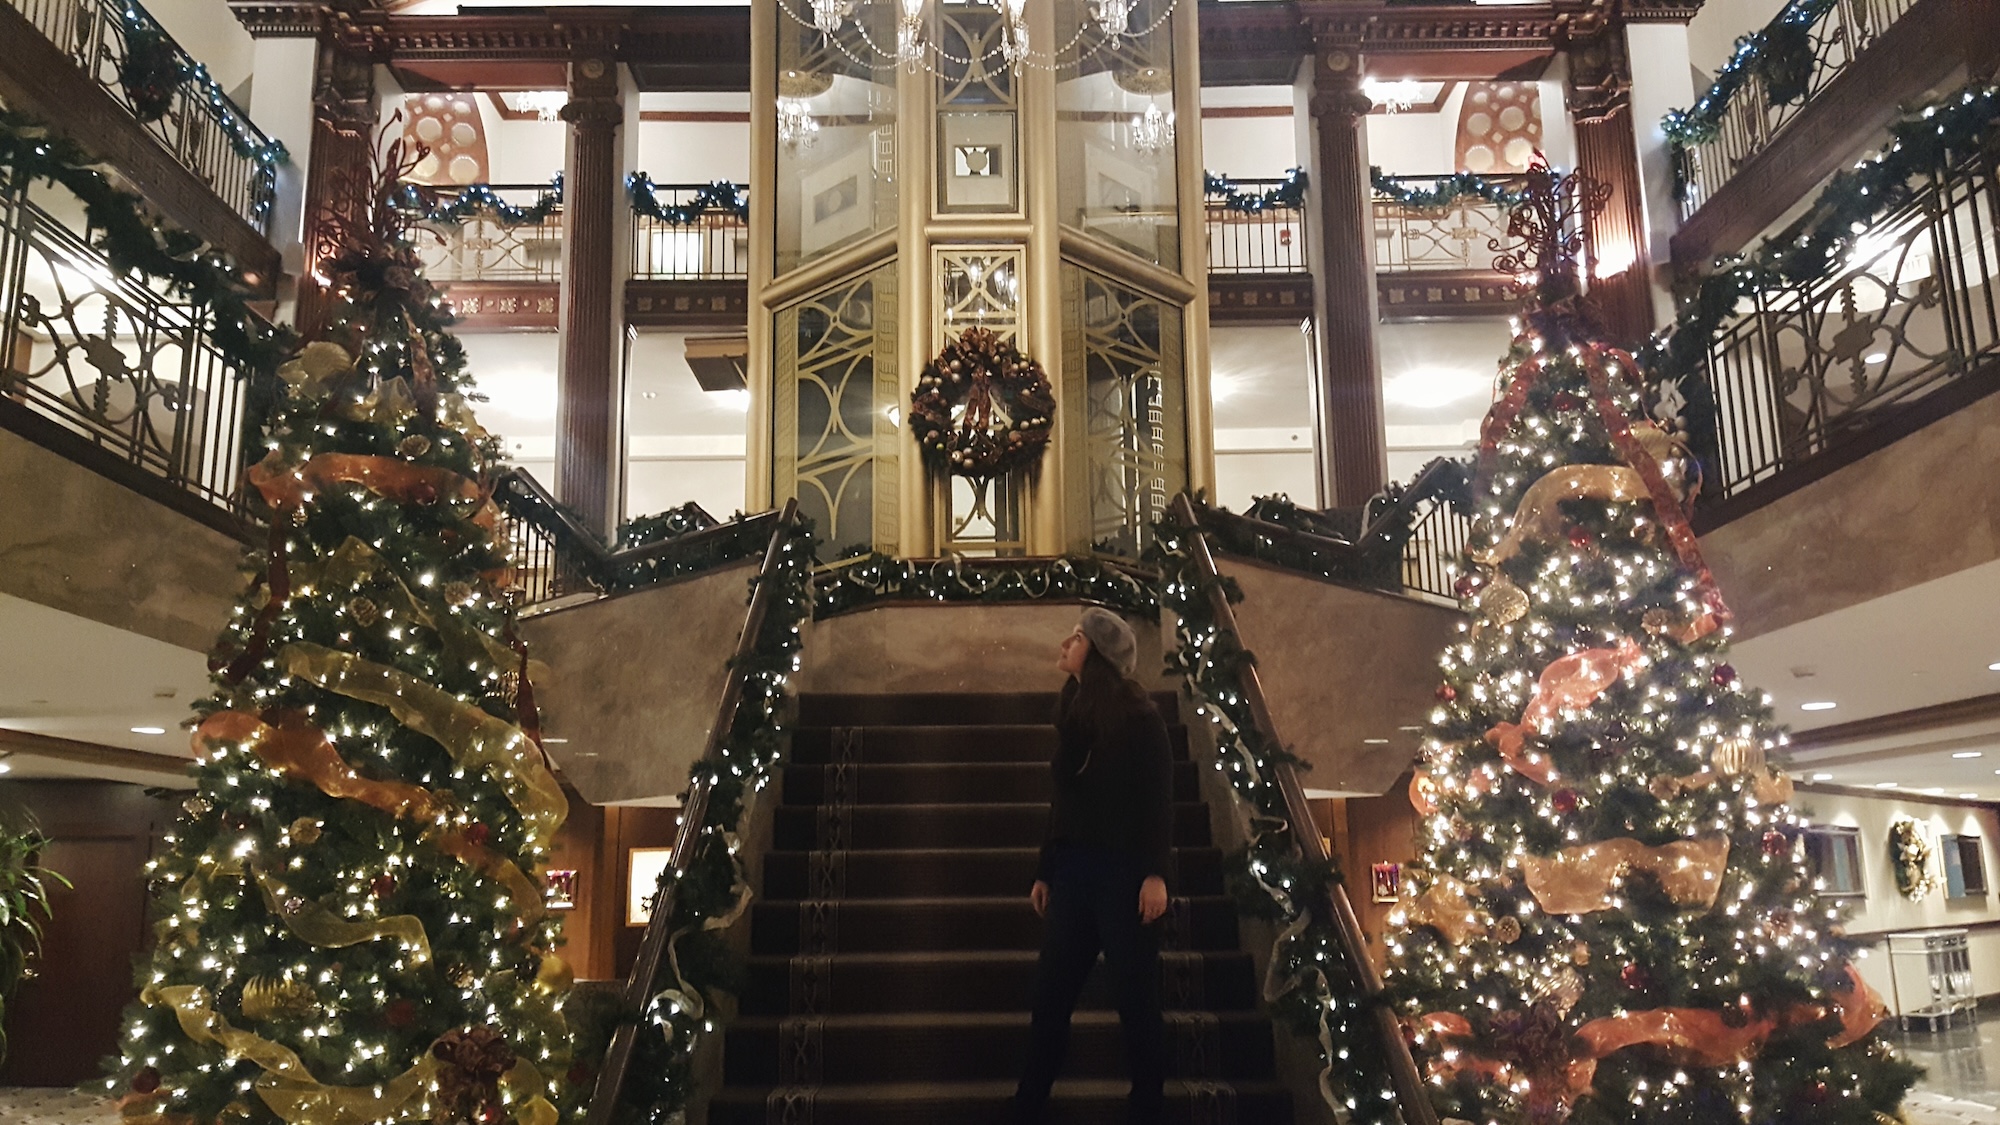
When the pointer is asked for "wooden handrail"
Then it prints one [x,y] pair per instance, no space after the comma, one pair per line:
[1416,1103]
[525,498]
[610,1085]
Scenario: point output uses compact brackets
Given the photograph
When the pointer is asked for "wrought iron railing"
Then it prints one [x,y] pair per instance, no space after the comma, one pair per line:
[1272,240]
[1753,118]
[485,247]
[1803,371]
[715,246]
[207,133]
[1455,236]
[112,367]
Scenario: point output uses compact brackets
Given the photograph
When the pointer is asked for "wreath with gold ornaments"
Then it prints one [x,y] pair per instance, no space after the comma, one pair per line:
[982,408]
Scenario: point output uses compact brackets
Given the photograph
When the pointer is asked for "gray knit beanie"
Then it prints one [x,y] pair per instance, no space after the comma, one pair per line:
[1111,638]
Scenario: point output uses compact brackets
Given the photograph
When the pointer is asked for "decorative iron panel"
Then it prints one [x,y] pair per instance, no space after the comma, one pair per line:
[1123,374]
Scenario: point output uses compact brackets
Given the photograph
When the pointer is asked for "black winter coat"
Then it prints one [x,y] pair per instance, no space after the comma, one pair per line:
[1113,783]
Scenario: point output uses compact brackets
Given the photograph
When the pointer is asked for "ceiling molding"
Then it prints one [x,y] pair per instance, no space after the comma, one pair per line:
[1916,720]
[1912,795]
[30,744]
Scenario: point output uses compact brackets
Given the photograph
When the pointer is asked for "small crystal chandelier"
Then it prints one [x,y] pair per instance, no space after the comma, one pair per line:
[544,104]
[829,15]
[1394,97]
[1153,130]
[910,34]
[1112,16]
[797,127]
[1014,36]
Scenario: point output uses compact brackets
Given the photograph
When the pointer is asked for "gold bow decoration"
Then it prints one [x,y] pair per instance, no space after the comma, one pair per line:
[1584,878]
[1569,683]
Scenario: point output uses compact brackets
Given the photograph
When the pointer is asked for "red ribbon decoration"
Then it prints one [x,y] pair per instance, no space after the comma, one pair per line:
[1500,417]
[278,583]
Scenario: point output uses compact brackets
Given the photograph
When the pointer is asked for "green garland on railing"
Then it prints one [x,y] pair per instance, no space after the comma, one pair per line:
[125,229]
[713,889]
[1318,997]
[644,531]
[1448,190]
[245,139]
[875,577]
[1287,196]
[1813,248]
[718,196]
[415,200]
[1781,52]
[152,70]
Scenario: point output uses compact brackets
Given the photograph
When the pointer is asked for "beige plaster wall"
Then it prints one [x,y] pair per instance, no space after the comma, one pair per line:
[84,544]
[1922,508]
[947,646]
[634,681]
[1340,665]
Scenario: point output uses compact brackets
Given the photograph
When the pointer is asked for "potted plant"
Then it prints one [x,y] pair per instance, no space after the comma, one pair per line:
[24,905]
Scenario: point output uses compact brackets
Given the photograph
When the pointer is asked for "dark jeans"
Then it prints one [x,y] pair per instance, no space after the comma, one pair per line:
[1094,907]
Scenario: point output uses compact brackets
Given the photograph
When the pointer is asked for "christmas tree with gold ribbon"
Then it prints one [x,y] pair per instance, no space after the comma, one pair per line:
[1611,919]
[349,920]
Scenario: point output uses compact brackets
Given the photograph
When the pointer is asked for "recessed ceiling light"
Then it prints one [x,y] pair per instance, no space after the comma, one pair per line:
[1968,796]
[1935,791]
[6,767]
[1822,777]
[1410,728]
[1821,705]
[1993,667]
[1375,741]
[1887,784]
[1876,357]
[149,730]
[1968,754]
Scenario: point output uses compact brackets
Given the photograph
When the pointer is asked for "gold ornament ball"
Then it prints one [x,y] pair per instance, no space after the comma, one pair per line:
[305,830]
[554,975]
[1504,602]
[364,611]
[1580,953]
[414,446]
[1508,930]
[1734,756]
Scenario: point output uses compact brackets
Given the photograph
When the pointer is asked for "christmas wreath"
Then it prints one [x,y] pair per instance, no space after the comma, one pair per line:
[1912,855]
[152,70]
[981,407]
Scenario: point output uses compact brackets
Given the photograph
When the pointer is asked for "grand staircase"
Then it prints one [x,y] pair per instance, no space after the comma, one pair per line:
[893,949]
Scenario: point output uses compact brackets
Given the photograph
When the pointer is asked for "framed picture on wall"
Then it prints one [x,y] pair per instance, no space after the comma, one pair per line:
[1385,882]
[561,888]
[976,161]
[643,869]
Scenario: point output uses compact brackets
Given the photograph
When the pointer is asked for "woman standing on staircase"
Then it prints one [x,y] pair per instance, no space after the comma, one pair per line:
[1102,883]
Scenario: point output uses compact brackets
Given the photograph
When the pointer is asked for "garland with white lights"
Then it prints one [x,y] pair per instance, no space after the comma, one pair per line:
[1289,195]
[1449,190]
[419,203]
[1309,985]
[874,578]
[722,195]
[1925,141]
[1781,53]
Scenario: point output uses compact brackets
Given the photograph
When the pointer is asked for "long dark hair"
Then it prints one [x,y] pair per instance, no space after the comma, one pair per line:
[1099,697]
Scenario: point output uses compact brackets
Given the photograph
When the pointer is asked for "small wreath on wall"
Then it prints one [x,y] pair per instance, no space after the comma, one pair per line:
[1911,853]
[982,407]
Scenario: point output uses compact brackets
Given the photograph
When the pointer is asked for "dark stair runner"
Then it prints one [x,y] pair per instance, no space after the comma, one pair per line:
[893,948]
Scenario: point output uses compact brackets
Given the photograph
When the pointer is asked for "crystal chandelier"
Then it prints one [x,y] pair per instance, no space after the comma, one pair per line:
[910,34]
[1014,33]
[1111,19]
[1395,97]
[1113,16]
[1153,130]
[828,15]
[797,128]
[544,104]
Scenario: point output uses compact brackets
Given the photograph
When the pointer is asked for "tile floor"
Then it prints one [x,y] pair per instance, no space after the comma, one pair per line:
[1962,1088]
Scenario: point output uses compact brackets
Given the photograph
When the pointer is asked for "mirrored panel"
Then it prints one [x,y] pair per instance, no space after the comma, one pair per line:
[835,405]
[978,135]
[1116,131]
[1122,356]
[836,180]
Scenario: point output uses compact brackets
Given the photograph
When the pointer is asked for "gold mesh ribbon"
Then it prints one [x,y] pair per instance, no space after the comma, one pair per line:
[1569,683]
[355,561]
[1581,879]
[290,485]
[315,923]
[291,1091]
[473,738]
[1539,515]
[1444,906]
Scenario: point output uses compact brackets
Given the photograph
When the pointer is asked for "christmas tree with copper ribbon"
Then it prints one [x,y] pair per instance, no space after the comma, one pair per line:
[350,920]
[1610,919]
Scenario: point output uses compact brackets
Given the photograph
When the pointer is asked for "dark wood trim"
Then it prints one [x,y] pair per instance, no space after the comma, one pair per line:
[1252,298]
[1832,790]
[694,303]
[37,78]
[91,753]
[1922,49]
[710,116]
[1884,428]
[1976,926]
[1444,294]
[503,306]
[68,444]
[1222,111]
[1915,720]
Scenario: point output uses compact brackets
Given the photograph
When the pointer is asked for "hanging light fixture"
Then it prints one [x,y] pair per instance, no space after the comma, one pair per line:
[829,15]
[910,34]
[1014,36]
[797,127]
[546,105]
[1111,19]
[1114,17]
[1153,130]
[1395,97]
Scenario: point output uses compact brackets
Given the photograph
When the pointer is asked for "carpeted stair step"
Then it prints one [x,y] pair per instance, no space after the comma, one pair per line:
[971,981]
[956,825]
[942,783]
[1076,1102]
[888,745]
[946,873]
[909,925]
[942,709]
[977,1046]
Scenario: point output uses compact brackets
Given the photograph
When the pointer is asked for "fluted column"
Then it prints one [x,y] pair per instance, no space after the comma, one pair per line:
[1353,449]
[1599,90]
[588,401]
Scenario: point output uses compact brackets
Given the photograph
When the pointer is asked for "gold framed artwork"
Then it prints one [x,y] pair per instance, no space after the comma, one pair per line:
[643,866]
[1385,881]
[560,884]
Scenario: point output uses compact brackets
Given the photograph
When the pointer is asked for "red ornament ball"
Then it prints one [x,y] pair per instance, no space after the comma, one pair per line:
[1581,538]
[424,492]
[1467,585]
[1564,401]
[1635,977]
[146,1081]
[1564,801]
[478,834]
[1446,693]
[401,1012]
[1725,674]
[1776,843]
[383,886]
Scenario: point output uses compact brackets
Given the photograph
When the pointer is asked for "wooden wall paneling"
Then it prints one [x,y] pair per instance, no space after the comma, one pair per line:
[1379,830]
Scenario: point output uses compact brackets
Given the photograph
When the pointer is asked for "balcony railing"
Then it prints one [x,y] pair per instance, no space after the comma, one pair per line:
[714,246]
[1803,371]
[1457,235]
[206,132]
[1753,117]
[486,247]
[111,366]
[1267,241]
